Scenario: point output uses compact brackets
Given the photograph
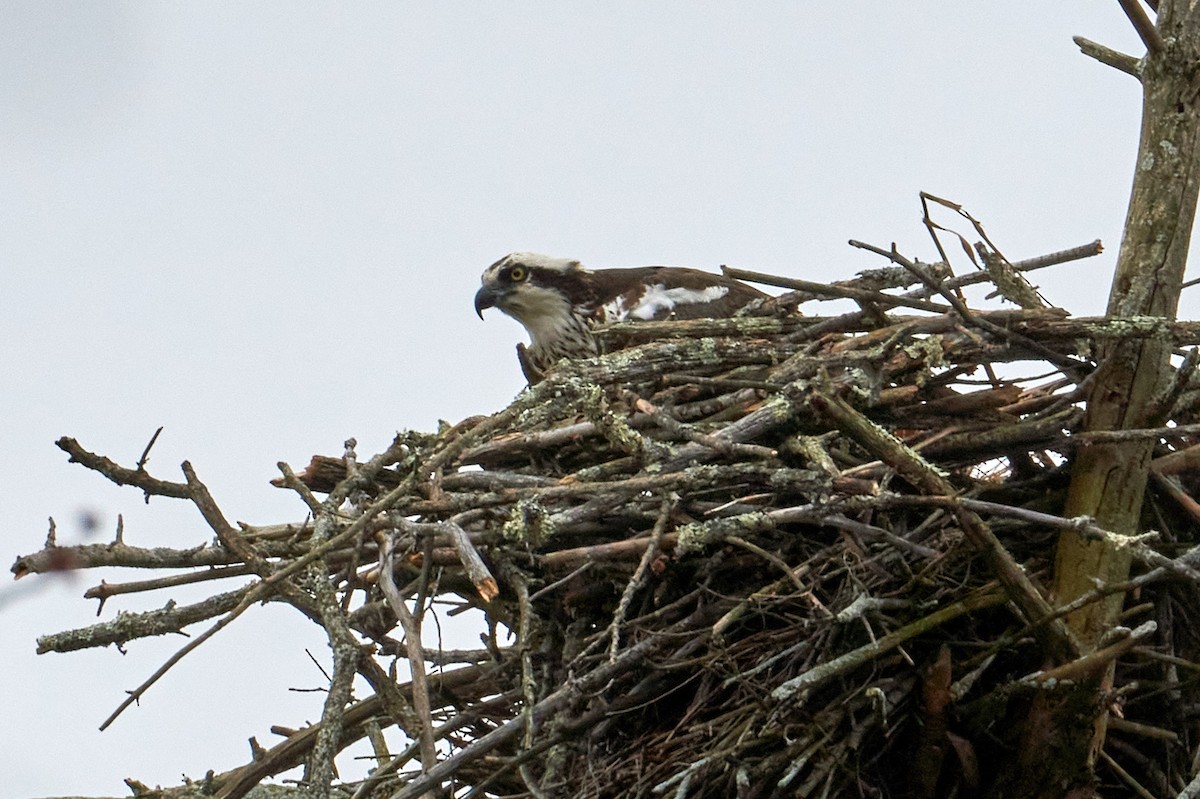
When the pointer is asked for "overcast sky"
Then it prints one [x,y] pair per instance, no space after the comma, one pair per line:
[261,226]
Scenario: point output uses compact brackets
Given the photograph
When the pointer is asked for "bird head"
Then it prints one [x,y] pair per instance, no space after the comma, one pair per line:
[558,301]
[536,290]
[551,298]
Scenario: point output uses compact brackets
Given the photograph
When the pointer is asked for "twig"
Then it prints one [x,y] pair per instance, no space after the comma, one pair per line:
[468,555]
[240,781]
[453,724]
[1126,777]
[1133,434]
[808,680]
[145,458]
[416,660]
[258,592]
[1084,526]
[970,278]
[836,292]
[1094,663]
[1118,724]
[294,483]
[721,445]
[770,557]
[1142,24]
[1113,58]
[639,574]
[560,582]
[229,536]
[614,550]
[131,626]
[106,589]
[1192,790]
[119,475]
[1092,248]
[968,316]
[91,556]
[1168,484]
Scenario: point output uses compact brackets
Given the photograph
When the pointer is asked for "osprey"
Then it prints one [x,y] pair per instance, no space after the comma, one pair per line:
[558,301]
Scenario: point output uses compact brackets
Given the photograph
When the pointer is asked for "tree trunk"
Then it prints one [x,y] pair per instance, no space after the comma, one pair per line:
[1108,480]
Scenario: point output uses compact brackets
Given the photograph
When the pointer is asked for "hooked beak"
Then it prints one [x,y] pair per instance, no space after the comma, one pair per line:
[485,298]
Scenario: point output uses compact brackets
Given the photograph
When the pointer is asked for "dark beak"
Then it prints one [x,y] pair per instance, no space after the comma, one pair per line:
[484,298]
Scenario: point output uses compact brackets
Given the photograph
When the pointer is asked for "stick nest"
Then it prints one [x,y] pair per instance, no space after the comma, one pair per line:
[774,555]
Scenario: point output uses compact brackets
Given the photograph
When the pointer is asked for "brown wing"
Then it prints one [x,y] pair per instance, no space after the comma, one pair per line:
[659,292]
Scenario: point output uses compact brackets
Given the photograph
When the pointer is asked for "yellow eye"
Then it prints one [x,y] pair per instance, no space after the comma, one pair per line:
[517,274]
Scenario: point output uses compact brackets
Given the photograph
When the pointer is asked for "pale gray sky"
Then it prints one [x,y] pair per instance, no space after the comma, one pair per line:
[262,224]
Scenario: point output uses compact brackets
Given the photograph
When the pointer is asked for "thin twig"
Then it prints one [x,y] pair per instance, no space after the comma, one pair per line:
[256,594]
[639,574]
[813,678]
[145,458]
[834,292]
[416,660]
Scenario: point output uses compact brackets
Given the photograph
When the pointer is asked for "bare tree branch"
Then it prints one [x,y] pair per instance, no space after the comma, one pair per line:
[1113,58]
[1142,24]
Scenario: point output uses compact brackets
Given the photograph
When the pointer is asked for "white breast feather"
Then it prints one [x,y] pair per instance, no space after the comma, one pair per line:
[660,298]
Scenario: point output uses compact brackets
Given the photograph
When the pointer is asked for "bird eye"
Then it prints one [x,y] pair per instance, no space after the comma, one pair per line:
[517,274]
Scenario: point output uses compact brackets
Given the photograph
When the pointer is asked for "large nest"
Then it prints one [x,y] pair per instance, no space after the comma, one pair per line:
[774,555]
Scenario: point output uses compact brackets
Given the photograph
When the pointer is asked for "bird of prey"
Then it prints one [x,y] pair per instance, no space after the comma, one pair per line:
[558,301]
